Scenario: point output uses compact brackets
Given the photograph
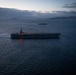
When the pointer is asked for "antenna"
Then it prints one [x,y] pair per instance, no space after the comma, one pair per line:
[21,31]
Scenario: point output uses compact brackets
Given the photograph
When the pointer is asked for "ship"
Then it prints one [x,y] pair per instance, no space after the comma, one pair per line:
[42,23]
[23,35]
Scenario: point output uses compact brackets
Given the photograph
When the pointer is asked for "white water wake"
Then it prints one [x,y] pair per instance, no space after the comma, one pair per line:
[4,35]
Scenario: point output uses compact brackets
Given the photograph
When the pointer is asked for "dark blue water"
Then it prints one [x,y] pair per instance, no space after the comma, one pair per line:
[38,57]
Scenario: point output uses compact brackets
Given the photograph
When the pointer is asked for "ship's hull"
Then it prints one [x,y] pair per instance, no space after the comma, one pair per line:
[35,36]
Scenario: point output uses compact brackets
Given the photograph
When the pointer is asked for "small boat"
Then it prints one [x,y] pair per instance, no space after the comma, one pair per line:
[23,35]
[42,23]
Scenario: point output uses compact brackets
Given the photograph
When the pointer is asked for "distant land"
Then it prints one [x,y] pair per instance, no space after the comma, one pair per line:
[68,17]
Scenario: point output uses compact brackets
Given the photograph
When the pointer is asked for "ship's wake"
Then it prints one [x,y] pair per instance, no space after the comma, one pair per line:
[4,35]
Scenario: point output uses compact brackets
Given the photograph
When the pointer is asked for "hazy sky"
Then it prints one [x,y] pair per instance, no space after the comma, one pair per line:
[40,5]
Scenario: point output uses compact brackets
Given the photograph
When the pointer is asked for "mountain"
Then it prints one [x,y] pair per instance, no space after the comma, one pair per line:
[68,17]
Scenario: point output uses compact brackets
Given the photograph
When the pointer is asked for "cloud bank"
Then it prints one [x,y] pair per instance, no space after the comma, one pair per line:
[14,13]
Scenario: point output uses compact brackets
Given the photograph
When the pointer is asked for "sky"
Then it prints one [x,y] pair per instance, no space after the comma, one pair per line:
[40,5]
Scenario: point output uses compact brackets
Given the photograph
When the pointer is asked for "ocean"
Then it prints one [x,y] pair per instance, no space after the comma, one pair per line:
[38,56]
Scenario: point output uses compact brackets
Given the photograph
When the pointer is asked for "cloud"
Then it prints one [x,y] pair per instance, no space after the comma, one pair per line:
[73,5]
[14,13]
